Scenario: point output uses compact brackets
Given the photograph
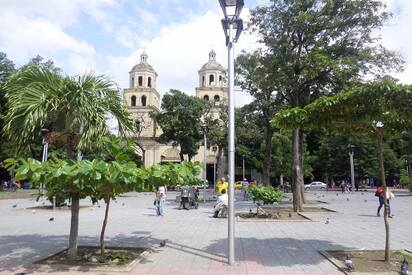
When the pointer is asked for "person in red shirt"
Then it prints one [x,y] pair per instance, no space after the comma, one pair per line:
[381,196]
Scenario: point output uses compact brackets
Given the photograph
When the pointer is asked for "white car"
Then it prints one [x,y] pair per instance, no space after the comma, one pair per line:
[316,185]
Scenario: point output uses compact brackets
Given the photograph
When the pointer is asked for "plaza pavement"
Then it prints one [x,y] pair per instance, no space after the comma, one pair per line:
[197,243]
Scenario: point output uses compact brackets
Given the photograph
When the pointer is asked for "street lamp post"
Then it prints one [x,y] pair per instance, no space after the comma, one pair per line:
[230,22]
[214,149]
[243,168]
[352,169]
[44,132]
[205,129]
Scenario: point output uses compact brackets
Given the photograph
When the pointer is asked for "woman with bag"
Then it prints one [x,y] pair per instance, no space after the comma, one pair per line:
[381,196]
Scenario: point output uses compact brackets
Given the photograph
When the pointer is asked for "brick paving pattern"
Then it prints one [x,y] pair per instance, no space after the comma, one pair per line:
[197,243]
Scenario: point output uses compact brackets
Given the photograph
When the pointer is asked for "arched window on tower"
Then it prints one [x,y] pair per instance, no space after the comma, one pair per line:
[211,79]
[144,100]
[132,84]
[133,103]
[203,81]
[220,80]
[206,98]
[140,81]
[149,82]
[217,98]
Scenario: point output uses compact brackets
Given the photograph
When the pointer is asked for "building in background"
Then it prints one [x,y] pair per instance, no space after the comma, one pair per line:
[142,97]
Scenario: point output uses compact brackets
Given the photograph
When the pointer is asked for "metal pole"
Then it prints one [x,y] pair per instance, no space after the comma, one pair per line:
[352,171]
[44,159]
[243,167]
[231,141]
[204,165]
[214,174]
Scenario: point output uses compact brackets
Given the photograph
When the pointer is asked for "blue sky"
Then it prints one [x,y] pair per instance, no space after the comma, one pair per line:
[108,36]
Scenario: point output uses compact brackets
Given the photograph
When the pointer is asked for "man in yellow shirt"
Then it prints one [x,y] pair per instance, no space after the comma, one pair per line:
[221,185]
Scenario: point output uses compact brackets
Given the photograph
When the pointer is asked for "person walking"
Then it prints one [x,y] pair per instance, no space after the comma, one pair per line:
[158,203]
[245,186]
[163,193]
[381,197]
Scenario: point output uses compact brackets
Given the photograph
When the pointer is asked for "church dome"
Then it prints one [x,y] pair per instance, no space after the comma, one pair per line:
[143,66]
[212,64]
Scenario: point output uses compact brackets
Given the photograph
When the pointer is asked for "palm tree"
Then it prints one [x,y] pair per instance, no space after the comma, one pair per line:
[75,109]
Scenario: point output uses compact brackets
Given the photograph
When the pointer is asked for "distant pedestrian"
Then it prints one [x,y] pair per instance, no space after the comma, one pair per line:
[245,186]
[158,203]
[163,193]
[343,186]
[380,193]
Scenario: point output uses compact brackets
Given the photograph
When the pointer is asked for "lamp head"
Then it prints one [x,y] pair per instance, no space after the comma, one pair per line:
[205,127]
[214,148]
[231,8]
[44,132]
[379,124]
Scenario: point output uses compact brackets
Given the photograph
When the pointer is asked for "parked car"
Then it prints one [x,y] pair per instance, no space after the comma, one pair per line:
[316,185]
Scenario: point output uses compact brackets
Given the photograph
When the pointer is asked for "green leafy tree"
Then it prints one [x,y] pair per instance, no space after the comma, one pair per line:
[369,109]
[265,194]
[74,109]
[181,122]
[6,69]
[255,76]
[316,48]
[249,136]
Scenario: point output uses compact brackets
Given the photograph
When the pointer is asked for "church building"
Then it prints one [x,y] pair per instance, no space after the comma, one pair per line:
[142,97]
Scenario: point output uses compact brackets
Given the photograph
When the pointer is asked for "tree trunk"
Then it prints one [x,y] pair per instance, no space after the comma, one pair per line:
[302,169]
[106,216]
[74,226]
[296,172]
[383,179]
[268,155]
[182,157]
[74,223]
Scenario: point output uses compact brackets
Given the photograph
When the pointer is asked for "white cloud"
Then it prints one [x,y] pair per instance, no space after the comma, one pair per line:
[395,36]
[178,52]
[27,37]
[60,12]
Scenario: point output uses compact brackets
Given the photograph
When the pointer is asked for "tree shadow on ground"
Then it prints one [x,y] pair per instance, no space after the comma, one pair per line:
[276,251]
[16,252]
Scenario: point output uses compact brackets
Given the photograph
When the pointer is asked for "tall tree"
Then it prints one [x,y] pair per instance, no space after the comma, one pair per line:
[75,109]
[180,120]
[6,69]
[256,76]
[375,108]
[320,47]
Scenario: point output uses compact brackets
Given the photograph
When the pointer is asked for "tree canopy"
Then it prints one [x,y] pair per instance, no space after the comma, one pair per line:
[180,120]
[357,109]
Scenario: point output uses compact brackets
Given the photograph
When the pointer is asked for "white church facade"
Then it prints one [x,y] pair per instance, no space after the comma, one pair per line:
[142,97]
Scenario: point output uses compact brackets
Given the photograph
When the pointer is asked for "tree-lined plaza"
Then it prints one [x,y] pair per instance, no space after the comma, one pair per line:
[324,107]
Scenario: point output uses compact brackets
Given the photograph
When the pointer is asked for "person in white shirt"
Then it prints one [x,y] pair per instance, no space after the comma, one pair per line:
[163,192]
[222,202]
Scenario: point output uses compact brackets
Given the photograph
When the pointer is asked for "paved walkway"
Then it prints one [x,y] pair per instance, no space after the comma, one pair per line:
[197,243]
